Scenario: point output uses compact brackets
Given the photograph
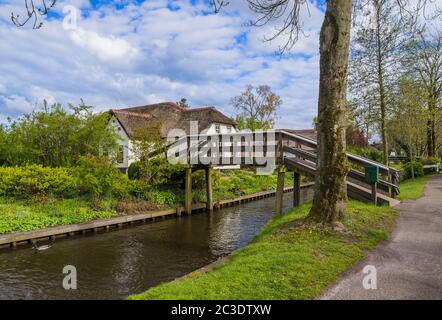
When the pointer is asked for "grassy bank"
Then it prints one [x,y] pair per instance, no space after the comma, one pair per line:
[413,189]
[284,263]
[23,215]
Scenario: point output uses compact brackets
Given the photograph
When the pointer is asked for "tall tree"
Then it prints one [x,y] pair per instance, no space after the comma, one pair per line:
[409,115]
[330,188]
[426,61]
[257,107]
[380,39]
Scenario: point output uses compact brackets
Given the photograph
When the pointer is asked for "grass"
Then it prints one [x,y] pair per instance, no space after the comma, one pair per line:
[413,189]
[24,215]
[291,264]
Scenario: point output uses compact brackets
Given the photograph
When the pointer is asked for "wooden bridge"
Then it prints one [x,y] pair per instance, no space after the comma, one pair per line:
[275,150]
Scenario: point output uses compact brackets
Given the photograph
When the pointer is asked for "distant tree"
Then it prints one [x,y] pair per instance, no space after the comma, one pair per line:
[425,61]
[33,12]
[408,123]
[183,103]
[257,107]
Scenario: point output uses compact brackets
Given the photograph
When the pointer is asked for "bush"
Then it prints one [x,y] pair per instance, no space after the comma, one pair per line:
[98,178]
[155,171]
[199,179]
[36,180]
[417,168]
[134,170]
[164,197]
[430,161]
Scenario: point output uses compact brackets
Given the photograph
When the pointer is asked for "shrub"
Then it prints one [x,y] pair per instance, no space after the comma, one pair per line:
[199,179]
[164,197]
[368,152]
[98,178]
[36,180]
[156,171]
[134,170]
[417,168]
[429,161]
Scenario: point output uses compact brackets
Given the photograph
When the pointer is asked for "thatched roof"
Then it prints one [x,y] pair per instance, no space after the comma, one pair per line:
[166,116]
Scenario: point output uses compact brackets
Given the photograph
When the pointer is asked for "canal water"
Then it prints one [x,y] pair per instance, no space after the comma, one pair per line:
[116,264]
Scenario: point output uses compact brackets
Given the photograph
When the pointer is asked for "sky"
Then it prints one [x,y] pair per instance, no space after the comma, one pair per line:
[129,52]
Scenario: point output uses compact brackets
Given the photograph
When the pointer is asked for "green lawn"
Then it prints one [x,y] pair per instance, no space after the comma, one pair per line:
[286,263]
[23,215]
[413,189]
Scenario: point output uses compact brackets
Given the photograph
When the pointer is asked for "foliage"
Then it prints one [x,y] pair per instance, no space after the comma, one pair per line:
[56,137]
[367,152]
[430,160]
[286,263]
[416,166]
[23,215]
[98,177]
[134,170]
[36,181]
[183,103]
[164,197]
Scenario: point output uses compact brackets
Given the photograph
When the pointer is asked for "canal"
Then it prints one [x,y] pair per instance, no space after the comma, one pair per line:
[116,264]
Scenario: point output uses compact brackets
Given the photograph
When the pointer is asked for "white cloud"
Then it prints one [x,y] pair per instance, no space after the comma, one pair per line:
[148,53]
[105,48]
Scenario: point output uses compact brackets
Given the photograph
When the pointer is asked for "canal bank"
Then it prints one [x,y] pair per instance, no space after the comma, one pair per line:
[117,264]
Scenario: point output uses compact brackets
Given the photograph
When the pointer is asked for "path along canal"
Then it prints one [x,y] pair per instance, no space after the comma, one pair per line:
[116,264]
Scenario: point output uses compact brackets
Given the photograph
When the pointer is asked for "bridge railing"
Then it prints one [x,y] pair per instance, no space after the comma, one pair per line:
[261,148]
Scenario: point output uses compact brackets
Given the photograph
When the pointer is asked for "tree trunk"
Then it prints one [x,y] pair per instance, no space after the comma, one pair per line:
[330,187]
[430,150]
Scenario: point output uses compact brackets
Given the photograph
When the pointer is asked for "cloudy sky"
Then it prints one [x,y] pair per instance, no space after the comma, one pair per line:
[130,52]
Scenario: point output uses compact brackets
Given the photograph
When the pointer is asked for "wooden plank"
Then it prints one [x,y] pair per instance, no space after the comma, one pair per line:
[209,193]
[280,191]
[296,189]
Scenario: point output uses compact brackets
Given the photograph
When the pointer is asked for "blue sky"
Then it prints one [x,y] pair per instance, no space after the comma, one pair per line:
[130,52]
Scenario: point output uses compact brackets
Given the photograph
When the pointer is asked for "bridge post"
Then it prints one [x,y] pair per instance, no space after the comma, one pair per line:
[374,193]
[280,189]
[296,188]
[209,193]
[188,191]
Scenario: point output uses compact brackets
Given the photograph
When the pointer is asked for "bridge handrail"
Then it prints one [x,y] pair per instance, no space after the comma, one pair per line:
[350,155]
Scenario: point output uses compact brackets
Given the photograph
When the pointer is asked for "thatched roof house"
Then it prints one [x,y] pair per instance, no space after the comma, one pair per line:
[163,117]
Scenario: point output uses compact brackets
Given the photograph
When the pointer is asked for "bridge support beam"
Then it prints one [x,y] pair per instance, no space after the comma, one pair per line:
[280,190]
[296,189]
[209,193]
[374,193]
[188,191]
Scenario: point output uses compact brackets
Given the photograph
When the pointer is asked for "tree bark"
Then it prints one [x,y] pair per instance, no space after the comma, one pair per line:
[330,197]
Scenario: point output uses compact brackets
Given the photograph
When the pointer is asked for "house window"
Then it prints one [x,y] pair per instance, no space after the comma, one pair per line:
[120,155]
[229,129]
[217,128]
